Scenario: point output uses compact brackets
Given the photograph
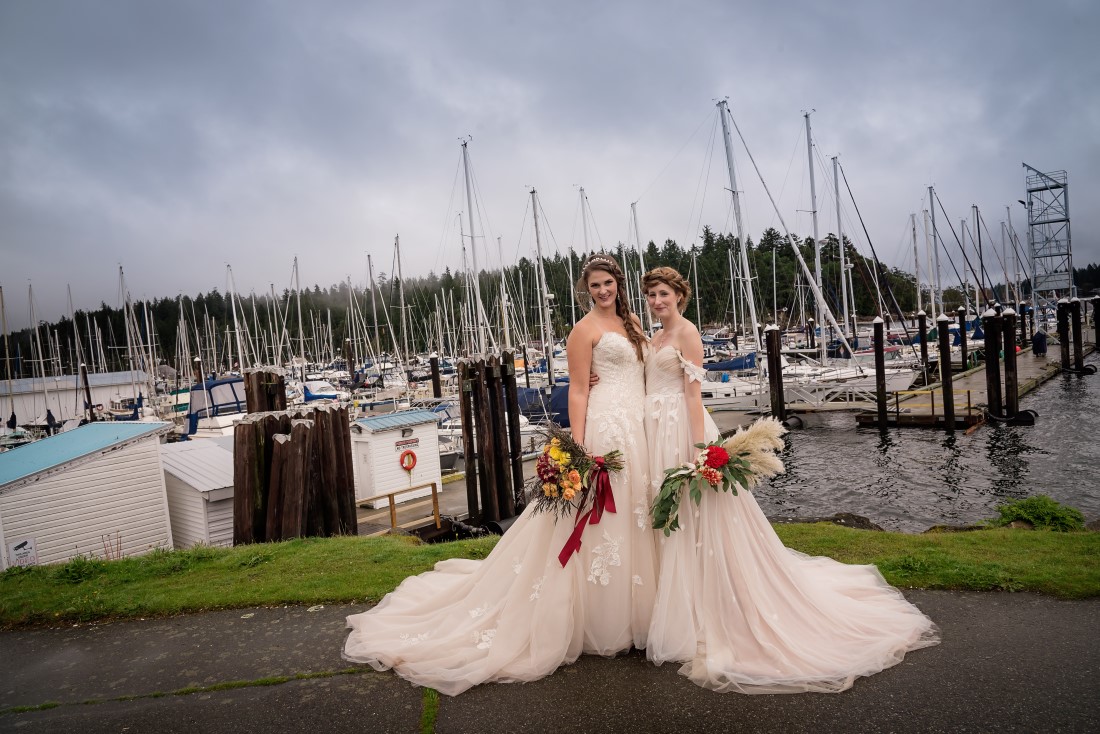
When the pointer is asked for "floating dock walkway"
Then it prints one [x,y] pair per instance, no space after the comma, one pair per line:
[924,407]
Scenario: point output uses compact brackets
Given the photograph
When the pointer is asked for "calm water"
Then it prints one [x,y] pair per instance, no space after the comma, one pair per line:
[911,479]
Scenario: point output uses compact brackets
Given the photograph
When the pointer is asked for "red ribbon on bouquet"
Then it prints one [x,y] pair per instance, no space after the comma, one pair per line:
[602,500]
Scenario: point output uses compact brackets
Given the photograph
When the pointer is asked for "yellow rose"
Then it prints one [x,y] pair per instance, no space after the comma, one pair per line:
[555,453]
[568,493]
[555,442]
[566,457]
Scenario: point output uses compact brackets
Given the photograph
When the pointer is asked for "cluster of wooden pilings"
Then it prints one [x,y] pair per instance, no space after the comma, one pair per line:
[292,472]
[494,468]
[1071,315]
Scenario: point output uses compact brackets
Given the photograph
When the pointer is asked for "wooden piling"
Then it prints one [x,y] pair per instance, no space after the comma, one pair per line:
[1063,331]
[962,340]
[922,329]
[437,386]
[1021,317]
[486,447]
[1078,337]
[511,409]
[467,376]
[264,390]
[292,475]
[1012,382]
[775,371]
[946,387]
[89,406]
[244,483]
[991,322]
[880,371]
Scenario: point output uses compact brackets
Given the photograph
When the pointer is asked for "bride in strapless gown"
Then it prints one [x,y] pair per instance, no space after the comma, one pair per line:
[740,610]
[519,614]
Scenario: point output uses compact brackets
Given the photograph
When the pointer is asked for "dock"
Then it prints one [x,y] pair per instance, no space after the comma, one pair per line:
[924,408]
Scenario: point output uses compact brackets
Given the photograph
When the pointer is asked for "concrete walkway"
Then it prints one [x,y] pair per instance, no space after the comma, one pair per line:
[1008,662]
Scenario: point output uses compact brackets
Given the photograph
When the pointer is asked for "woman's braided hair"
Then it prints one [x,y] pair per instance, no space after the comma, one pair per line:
[607,264]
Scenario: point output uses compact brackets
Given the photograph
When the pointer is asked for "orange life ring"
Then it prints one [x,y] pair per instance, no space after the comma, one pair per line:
[407,460]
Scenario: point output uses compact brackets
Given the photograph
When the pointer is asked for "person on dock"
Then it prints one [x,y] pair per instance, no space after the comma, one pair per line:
[1039,343]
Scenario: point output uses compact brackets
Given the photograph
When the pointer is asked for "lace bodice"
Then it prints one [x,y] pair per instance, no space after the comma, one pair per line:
[665,369]
[616,402]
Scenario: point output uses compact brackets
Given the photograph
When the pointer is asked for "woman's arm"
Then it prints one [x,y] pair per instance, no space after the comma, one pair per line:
[692,351]
[578,349]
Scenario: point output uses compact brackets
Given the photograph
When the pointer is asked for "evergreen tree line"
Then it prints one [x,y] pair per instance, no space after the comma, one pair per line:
[778,286]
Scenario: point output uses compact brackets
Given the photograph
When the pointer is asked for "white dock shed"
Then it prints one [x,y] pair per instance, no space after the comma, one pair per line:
[378,445]
[198,477]
[96,490]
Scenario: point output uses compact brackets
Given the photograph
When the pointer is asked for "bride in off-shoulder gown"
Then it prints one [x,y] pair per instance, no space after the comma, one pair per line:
[741,611]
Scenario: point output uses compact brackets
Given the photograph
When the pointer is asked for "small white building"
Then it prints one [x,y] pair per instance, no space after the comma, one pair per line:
[378,446]
[97,490]
[198,477]
[63,395]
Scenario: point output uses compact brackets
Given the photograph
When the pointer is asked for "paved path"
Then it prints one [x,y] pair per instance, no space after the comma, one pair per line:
[1008,662]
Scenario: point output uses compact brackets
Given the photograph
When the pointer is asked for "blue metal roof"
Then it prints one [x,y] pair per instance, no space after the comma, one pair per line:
[403,419]
[62,448]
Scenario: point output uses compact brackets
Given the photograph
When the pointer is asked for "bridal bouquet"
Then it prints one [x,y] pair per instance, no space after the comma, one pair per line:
[564,472]
[743,459]
[568,480]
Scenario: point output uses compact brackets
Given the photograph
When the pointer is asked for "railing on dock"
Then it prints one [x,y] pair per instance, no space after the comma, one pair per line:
[417,521]
[931,404]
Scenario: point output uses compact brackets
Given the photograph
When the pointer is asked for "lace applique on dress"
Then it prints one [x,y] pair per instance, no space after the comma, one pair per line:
[516,565]
[637,580]
[479,611]
[537,586]
[641,514]
[413,639]
[483,639]
[604,556]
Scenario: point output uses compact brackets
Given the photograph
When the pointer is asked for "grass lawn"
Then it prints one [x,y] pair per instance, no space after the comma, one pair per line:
[351,569]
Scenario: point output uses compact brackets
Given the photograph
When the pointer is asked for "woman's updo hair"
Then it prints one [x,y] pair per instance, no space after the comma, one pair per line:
[672,278]
[605,263]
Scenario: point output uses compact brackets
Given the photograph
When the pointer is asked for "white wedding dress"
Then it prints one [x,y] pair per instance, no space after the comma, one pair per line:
[518,614]
[741,611]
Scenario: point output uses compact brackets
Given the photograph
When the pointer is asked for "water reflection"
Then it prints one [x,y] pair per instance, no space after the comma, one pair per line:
[911,479]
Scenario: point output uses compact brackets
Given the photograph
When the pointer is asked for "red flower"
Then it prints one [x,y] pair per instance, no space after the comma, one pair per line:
[717,457]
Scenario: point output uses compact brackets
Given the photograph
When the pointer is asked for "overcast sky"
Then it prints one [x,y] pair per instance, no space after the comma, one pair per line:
[175,138]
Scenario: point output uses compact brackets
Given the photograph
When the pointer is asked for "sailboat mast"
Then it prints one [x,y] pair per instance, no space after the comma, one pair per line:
[373,305]
[746,284]
[817,242]
[504,317]
[695,281]
[916,260]
[544,294]
[473,249]
[641,267]
[301,331]
[401,301]
[840,246]
[7,351]
[937,289]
